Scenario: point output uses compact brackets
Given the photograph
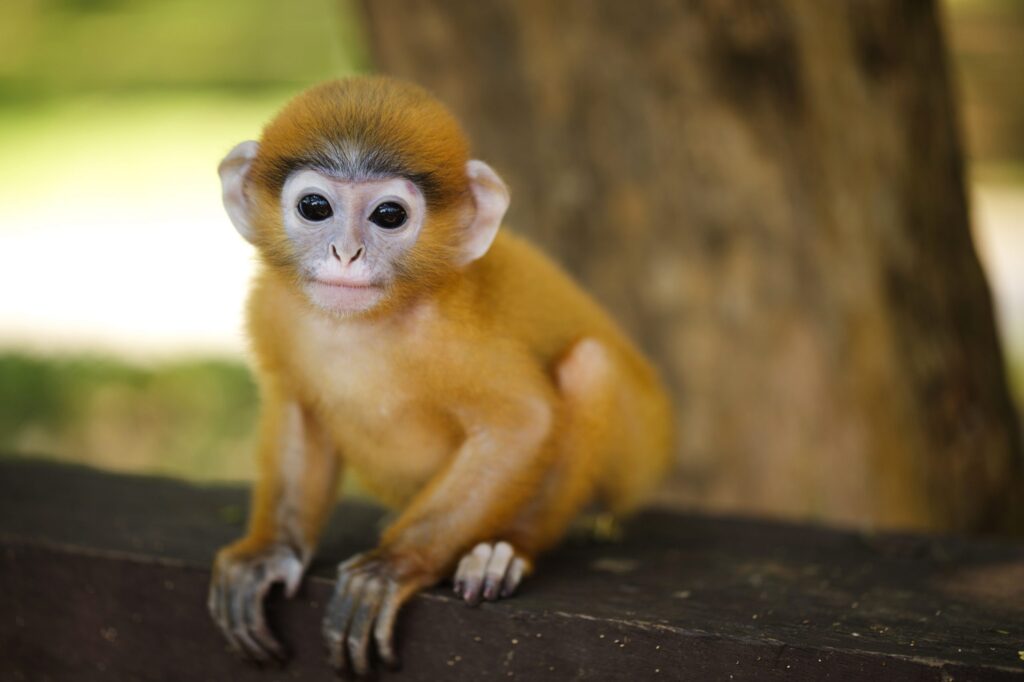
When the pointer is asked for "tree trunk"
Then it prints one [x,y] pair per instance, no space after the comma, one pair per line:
[770,196]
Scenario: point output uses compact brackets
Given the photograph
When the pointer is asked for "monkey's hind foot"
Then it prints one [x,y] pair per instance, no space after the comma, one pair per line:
[490,571]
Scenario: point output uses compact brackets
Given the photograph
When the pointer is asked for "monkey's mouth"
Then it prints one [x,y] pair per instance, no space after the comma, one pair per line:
[344,284]
[344,296]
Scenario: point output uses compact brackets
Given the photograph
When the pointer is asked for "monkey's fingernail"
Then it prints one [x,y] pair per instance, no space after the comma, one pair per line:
[490,589]
[389,658]
[471,592]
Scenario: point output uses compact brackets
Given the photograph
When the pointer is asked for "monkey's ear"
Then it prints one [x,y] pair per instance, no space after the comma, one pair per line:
[233,171]
[490,199]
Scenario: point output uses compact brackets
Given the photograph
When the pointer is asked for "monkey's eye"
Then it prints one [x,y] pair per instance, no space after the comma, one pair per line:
[315,208]
[388,215]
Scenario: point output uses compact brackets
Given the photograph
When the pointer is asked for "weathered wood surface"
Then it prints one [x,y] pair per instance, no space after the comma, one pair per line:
[770,195]
[104,577]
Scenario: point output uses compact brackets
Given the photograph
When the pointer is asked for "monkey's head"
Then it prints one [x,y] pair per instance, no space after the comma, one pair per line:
[362,191]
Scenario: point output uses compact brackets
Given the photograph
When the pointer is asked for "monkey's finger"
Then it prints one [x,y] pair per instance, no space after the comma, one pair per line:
[255,622]
[343,603]
[234,599]
[339,615]
[335,648]
[383,629]
[241,597]
[215,603]
[345,576]
[361,627]
[333,629]
[243,642]
[497,566]
[252,649]
[227,624]
[460,575]
[472,571]
[333,639]
[337,656]
[516,570]
[218,603]
[466,567]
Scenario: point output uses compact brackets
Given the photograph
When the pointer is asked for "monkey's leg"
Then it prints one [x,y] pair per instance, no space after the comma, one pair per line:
[487,482]
[495,569]
[296,489]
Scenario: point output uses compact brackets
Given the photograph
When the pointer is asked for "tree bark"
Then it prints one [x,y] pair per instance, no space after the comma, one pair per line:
[770,197]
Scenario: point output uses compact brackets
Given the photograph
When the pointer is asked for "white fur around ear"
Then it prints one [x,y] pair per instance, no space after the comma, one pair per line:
[233,171]
[490,199]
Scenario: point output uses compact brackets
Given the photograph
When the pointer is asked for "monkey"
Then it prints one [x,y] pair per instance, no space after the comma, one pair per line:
[396,333]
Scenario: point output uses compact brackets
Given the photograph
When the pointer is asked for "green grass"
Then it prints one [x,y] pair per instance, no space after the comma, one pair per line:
[1015,362]
[189,418]
[192,419]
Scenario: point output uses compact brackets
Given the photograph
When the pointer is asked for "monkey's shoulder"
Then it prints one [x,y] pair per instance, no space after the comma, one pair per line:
[525,294]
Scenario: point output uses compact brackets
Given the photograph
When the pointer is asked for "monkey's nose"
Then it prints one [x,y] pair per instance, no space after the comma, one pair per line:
[341,259]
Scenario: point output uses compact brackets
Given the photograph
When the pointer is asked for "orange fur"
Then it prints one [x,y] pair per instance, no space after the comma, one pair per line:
[396,393]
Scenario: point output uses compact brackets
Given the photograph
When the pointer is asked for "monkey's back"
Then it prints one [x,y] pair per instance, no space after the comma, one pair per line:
[528,297]
[525,295]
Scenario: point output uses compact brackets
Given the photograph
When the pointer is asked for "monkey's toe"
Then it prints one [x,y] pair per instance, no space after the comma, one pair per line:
[490,571]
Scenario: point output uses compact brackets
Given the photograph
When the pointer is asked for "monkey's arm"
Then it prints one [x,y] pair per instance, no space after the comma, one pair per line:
[488,481]
[295,492]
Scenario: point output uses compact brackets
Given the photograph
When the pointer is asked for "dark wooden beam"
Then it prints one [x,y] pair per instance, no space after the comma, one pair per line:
[104,577]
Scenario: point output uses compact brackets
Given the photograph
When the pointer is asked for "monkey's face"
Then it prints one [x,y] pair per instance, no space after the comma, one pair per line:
[353,244]
[348,238]
[362,192]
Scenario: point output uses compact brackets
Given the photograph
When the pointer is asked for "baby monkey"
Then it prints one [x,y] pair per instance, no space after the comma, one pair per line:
[465,379]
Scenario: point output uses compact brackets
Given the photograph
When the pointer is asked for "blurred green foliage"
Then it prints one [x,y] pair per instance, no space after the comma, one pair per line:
[1016,367]
[190,418]
[59,48]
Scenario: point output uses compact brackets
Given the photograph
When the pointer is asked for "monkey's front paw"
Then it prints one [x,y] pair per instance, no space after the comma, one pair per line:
[490,571]
[368,594]
[240,583]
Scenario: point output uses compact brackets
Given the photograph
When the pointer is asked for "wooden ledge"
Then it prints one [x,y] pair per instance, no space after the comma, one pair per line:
[104,577]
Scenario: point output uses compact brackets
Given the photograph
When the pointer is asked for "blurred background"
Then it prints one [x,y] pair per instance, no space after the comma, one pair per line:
[123,281]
